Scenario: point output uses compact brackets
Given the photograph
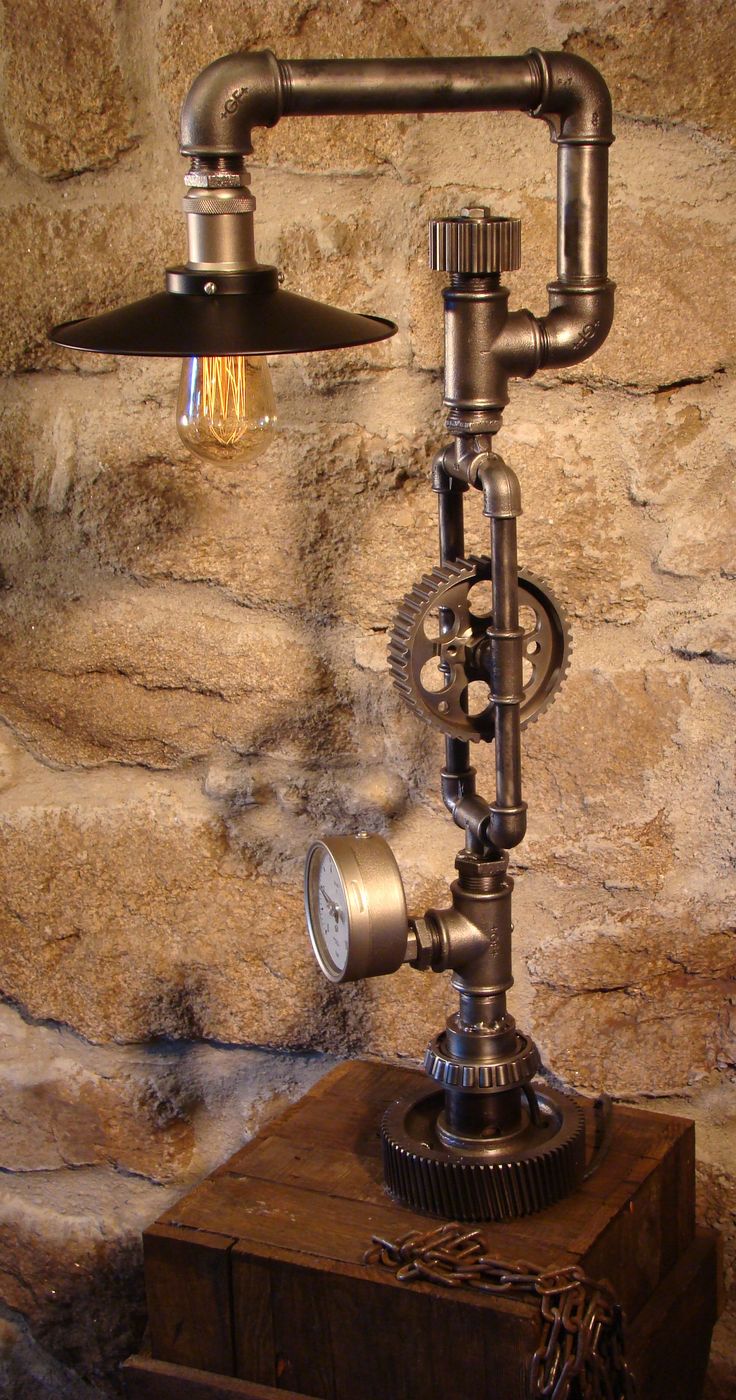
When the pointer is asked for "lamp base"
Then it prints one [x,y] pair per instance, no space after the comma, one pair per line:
[476,1178]
[258,1285]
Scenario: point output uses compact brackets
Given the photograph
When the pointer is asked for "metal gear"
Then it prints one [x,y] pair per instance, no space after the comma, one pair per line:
[456,647]
[539,1165]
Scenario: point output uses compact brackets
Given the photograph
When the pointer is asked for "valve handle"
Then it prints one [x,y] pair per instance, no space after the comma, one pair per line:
[475,244]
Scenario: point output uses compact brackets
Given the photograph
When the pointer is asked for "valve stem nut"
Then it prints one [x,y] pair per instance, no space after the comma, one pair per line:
[427,944]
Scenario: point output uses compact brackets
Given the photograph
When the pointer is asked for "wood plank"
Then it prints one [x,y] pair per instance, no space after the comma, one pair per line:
[331,1170]
[266,1214]
[187,1274]
[336,1329]
[377,1275]
[146,1379]
[296,1209]
[361,1088]
[254,1347]
[668,1345]
[302,1302]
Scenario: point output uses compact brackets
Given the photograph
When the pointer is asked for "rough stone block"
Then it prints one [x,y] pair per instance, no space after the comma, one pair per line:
[155,925]
[68,101]
[658,69]
[153,680]
[63,263]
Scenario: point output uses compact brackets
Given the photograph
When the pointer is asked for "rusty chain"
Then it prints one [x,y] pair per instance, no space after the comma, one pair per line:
[580,1352]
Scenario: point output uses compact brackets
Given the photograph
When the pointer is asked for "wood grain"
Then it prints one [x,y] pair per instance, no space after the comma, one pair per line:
[273,1243]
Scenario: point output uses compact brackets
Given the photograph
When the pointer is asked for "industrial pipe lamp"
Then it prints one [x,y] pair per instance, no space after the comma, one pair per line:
[481,1139]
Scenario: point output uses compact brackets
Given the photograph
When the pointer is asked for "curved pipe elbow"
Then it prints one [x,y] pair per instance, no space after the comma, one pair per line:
[575,101]
[227,100]
[507,826]
[500,487]
[576,325]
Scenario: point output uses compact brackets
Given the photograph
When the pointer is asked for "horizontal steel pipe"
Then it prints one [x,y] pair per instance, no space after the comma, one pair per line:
[241,91]
[334,87]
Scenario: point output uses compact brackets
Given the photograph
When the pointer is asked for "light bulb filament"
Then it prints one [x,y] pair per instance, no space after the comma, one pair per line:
[224,396]
[226,411]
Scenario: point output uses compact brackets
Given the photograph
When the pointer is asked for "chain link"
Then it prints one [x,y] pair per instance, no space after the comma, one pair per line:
[580,1352]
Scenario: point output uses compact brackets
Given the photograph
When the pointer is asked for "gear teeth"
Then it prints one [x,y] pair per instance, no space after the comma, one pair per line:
[428,593]
[537,582]
[458,1187]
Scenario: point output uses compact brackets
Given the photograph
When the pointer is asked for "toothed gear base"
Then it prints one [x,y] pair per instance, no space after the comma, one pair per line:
[538,1166]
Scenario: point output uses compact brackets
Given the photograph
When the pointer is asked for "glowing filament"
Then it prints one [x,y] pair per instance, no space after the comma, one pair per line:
[226,409]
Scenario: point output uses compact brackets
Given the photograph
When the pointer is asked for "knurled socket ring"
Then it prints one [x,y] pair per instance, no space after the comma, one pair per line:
[475,244]
[238,201]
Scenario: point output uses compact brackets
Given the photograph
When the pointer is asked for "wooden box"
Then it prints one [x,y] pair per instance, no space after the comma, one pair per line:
[257,1274]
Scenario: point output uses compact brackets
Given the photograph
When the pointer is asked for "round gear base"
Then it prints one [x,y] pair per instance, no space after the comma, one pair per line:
[540,1164]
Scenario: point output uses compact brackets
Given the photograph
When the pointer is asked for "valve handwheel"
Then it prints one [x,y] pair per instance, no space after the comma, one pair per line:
[439,647]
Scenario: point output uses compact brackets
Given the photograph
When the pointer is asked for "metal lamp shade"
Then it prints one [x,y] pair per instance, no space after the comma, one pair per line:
[246,314]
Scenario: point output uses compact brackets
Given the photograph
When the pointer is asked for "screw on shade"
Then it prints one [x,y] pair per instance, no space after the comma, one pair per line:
[241,313]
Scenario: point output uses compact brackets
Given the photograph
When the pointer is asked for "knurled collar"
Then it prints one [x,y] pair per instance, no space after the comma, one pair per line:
[475,243]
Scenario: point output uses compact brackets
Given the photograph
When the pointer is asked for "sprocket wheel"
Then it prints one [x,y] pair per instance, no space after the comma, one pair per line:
[439,644]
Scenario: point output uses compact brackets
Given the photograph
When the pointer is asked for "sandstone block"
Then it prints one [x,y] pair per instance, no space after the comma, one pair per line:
[27,1370]
[679,471]
[153,680]
[653,988]
[65,263]
[72,1262]
[165,1114]
[701,541]
[146,884]
[713,638]
[68,104]
[657,69]
[608,738]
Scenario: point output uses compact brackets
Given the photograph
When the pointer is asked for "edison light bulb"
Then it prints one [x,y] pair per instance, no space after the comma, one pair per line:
[226,410]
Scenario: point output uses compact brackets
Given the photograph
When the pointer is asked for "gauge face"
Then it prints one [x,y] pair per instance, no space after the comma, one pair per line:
[327,912]
[355,905]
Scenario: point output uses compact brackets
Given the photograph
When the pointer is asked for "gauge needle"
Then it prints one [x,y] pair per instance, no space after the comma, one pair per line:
[334,908]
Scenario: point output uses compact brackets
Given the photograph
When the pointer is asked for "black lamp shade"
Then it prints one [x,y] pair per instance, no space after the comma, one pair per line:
[247,314]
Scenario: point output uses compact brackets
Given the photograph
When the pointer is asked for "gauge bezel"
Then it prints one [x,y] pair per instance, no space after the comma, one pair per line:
[378,923]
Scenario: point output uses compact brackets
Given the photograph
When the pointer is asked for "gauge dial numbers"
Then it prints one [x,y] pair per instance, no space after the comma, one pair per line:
[355,906]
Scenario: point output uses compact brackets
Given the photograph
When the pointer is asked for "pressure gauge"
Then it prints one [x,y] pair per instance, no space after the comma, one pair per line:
[356,908]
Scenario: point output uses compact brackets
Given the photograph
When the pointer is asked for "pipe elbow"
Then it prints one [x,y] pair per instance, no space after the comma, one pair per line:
[577,323]
[227,100]
[500,486]
[575,101]
[507,826]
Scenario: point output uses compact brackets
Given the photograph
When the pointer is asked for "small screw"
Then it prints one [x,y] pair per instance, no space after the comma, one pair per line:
[281,279]
[210,288]
[475,211]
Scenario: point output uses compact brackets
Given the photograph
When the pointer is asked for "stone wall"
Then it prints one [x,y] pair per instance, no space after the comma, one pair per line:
[193,676]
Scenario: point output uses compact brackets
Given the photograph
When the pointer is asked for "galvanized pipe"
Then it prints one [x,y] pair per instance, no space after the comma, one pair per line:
[458,776]
[334,87]
[507,825]
[244,90]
